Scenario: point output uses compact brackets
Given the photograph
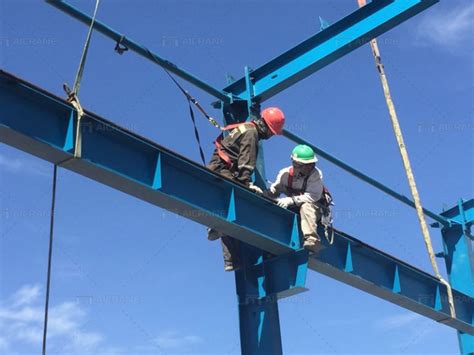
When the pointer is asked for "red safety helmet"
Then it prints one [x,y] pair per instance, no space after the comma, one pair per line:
[274,118]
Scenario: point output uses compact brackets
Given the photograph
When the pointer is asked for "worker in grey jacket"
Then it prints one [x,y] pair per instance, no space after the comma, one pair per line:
[302,183]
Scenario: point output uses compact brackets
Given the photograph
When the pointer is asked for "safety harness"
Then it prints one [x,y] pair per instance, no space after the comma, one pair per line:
[324,204]
[220,149]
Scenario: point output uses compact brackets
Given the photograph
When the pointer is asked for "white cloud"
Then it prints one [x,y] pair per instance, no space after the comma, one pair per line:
[175,340]
[21,324]
[21,320]
[24,166]
[26,295]
[24,315]
[448,29]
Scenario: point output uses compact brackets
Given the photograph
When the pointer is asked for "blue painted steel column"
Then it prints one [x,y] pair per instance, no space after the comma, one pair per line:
[458,254]
[259,320]
[260,326]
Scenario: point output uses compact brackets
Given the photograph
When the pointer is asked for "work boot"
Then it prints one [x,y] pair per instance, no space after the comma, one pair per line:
[231,266]
[213,234]
[312,244]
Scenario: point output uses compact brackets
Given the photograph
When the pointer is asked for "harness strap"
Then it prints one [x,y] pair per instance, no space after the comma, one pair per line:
[219,148]
[291,174]
[290,178]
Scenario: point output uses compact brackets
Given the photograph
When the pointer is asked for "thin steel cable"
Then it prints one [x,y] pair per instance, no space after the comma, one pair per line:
[50,254]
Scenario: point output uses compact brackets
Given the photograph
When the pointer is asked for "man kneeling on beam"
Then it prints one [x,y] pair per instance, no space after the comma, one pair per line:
[302,183]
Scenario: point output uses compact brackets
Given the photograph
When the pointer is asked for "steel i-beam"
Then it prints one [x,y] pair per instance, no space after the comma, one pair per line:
[314,53]
[258,309]
[326,46]
[140,49]
[311,55]
[43,125]
[459,258]
[364,177]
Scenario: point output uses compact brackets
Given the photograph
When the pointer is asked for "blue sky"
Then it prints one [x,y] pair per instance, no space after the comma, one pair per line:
[131,278]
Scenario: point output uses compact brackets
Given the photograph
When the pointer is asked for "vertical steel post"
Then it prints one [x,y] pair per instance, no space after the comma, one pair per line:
[259,320]
[459,259]
[260,326]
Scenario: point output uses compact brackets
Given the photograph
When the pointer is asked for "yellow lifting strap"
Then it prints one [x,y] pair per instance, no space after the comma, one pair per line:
[73,95]
[408,170]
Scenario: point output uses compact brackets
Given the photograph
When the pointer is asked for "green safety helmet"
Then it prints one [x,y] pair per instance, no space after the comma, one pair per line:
[303,154]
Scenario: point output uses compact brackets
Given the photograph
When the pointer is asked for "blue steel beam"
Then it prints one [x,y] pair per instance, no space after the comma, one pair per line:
[43,125]
[459,258]
[257,295]
[335,38]
[297,63]
[355,263]
[322,153]
[327,46]
[140,49]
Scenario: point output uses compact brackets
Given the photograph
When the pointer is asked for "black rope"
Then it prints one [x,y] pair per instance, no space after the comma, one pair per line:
[194,101]
[191,100]
[50,253]
[196,133]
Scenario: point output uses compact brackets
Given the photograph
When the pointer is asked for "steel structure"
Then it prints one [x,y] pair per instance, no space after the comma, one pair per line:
[44,125]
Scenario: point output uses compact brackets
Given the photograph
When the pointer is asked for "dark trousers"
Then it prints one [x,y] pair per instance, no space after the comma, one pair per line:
[230,246]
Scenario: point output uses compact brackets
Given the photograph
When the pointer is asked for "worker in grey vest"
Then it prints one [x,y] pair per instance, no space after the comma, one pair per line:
[302,183]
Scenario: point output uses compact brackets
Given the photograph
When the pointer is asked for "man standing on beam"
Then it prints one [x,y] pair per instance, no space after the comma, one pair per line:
[235,157]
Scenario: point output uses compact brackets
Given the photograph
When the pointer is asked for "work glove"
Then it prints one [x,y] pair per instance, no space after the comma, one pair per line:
[255,188]
[285,202]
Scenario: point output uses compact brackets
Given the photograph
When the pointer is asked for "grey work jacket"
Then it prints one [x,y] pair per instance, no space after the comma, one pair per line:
[312,193]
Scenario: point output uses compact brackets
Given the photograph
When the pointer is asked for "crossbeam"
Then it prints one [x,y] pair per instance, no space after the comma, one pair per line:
[42,124]
[140,49]
[327,46]
[335,41]
[364,177]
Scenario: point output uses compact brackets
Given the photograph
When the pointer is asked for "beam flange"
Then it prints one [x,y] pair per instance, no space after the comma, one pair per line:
[393,280]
